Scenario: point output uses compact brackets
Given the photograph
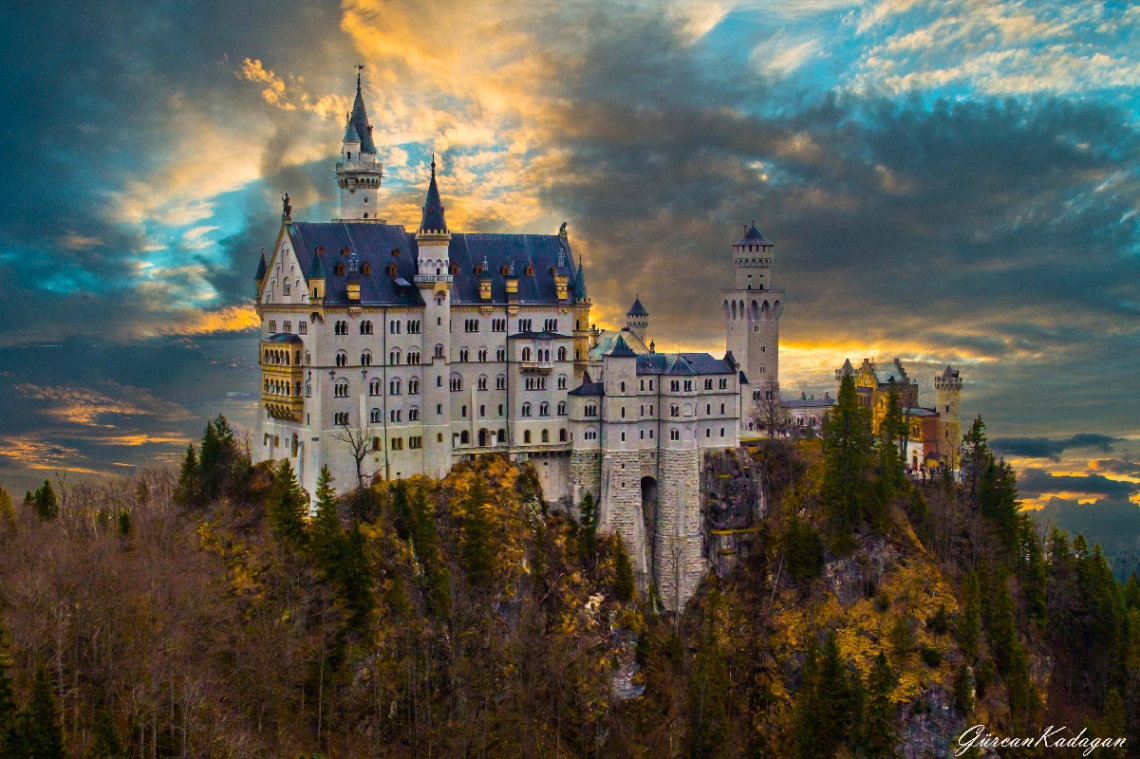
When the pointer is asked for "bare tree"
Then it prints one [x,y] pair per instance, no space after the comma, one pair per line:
[362,442]
[767,410]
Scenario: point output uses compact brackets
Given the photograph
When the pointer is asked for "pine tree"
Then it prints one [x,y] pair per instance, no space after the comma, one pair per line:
[803,550]
[847,450]
[478,559]
[832,700]
[805,717]
[210,461]
[326,530]
[892,435]
[42,733]
[47,504]
[286,506]
[587,534]
[974,457]
[188,491]
[105,741]
[879,727]
[1132,591]
[354,578]
[708,698]
[1112,724]
[625,589]
[970,623]
[997,502]
[1031,571]
[7,512]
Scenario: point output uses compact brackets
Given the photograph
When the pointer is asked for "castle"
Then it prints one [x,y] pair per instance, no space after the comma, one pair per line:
[388,353]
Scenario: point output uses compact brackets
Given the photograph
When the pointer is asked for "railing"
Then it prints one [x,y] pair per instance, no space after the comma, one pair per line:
[537,366]
[430,278]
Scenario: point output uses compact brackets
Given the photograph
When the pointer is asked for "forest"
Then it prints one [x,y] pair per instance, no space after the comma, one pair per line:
[206,613]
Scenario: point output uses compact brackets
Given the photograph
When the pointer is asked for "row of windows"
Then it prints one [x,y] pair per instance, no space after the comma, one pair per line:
[481,355]
[376,416]
[280,387]
[397,443]
[279,357]
[287,326]
[536,383]
[543,409]
[340,327]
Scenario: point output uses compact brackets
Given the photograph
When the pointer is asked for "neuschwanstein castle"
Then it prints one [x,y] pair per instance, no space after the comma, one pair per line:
[400,353]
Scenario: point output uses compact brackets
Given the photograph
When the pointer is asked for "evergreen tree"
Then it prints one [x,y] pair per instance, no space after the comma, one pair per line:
[625,589]
[847,450]
[105,741]
[42,733]
[476,551]
[997,502]
[587,534]
[47,504]
[354,578]
[969,624]
[879,727]
[892,437]
[974,457]
[188,491]
[1132,591]
[287,506]
[1031,570]
[803,550]
[832,700]
[708,699]
[326,527]
[210,461]
[1113,724]
[805,717]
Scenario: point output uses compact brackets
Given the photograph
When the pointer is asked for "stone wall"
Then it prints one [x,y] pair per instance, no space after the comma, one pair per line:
[621,509]
[585,475]
[678,560]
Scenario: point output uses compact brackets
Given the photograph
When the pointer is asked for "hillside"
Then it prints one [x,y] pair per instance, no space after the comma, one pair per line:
[205,615]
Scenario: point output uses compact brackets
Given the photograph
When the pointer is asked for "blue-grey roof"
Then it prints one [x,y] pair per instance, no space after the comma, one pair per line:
[578,283]
[809,403]
[373,245]
[753,236]
[637,309]
[927,412]
[282,337]
[359,119]
[533,335]
[350,134]
[432,219]
[683,364]
[588,388]
[621,350]
[263,267]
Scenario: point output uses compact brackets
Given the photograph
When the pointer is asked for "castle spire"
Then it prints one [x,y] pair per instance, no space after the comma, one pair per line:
[359,119]
[432,219]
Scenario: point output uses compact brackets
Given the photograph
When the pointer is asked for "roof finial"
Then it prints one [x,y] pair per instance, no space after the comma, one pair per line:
[359,68]
[754,222]
[433,165]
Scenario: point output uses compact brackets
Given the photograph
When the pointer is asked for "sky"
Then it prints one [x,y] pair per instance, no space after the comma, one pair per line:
[945,181]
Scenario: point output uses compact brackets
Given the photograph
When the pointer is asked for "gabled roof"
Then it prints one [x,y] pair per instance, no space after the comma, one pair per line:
[282,337]
[621,350]
[263,267]
[432,219]
[359,120]
[637,309]
[350,134]
[753,236]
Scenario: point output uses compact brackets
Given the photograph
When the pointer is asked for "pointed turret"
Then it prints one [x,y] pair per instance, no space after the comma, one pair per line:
[359,120]
[359,173]
[580,293]
[621,349]
[432,220]
[263,267]
[637,319]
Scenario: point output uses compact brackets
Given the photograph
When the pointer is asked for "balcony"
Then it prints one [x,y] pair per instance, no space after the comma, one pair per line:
[429,279]
[536,367]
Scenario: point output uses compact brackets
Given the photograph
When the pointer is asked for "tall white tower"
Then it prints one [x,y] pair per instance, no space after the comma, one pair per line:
[752,316]
[358,173]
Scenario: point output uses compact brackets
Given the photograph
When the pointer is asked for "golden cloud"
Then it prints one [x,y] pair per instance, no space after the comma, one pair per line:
[227,319]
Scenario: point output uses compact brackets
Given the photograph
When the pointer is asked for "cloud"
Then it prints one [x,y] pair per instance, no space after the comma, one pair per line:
[1116,466]
[1114,524]
[1040,481]
[1041,447]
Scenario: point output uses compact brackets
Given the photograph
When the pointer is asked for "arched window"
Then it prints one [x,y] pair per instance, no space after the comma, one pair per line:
[502,436]
[456,383]
[544,409]
[413,413]
[413,357]
[439,351]
[464,354]
[375,417]
[413,386]
[501,382]
[562,353]
[374,387]
[464,437]
[341,358]
[366,358]
[526,354]
[526,437]
[562,408]
[546,436]
[526,409]
[482,385]
[394,386]
[562,435]
[340,389]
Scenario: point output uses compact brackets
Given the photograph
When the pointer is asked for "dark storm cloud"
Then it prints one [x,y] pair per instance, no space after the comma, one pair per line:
[1117,466]
[1043,447]
[1040,481]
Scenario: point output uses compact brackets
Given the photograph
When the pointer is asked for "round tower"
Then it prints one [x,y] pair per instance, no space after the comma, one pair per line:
[358,173]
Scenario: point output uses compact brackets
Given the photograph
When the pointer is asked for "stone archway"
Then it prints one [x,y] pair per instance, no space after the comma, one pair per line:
[649,514]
